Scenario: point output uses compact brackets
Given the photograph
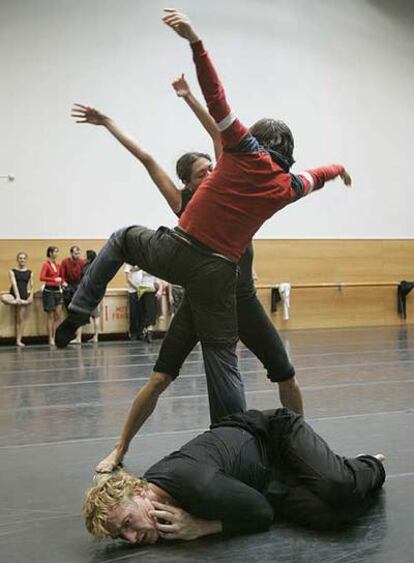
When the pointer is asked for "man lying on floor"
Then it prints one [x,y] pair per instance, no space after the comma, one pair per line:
[238,477]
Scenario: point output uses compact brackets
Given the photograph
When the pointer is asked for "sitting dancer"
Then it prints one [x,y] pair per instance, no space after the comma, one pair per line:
[20,294]
[250,183]
[255,329]
[239,476]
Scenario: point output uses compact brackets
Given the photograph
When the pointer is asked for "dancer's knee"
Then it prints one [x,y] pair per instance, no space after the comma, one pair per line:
[160,381]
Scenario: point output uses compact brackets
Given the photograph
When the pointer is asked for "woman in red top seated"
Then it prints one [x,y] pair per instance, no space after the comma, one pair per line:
[50,275]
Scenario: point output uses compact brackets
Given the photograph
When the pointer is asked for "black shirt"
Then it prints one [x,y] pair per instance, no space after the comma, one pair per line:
[220,475]
[22,281]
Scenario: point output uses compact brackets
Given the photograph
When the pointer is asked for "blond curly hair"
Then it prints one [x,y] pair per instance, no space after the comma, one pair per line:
[108,492]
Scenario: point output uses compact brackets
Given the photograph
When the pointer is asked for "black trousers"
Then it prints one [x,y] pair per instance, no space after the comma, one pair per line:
[209,282]
[147,310]
[324,490]
[255,330]
[309,484]
[208,279]
[133,315]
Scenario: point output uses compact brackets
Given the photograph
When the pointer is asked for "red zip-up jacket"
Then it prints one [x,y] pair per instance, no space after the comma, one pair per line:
[247,186]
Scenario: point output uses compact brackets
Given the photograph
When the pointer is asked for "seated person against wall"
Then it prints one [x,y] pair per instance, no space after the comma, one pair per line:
[238,477]
[20,294]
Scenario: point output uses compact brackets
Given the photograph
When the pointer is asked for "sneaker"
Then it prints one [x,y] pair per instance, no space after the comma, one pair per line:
[66,331]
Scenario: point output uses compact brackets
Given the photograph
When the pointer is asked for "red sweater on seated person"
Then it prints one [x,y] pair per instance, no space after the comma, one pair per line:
[247,186]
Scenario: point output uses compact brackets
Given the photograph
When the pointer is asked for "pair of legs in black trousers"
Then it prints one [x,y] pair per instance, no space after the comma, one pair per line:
[208,278]
[208,312]
[255,330]
[324,490]
[308,484]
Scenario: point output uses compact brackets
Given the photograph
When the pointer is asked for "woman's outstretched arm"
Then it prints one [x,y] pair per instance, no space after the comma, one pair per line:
[86,114]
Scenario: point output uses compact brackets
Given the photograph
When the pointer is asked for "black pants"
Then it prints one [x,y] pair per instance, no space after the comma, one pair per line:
[209,280]
[209,283]
[133,315]
[310,484]
[147,310]
[68,293]
[324,490]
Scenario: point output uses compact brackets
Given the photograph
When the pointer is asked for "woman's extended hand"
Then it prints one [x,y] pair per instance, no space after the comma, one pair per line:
[86,114]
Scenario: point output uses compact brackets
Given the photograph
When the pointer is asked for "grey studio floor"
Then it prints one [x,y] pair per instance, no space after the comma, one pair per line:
[61,411]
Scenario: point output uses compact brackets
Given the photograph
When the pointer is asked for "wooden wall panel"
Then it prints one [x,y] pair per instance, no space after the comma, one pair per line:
[293,261]
[317,261]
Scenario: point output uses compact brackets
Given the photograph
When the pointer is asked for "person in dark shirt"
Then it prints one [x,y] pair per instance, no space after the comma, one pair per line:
[20,294]
[246,471]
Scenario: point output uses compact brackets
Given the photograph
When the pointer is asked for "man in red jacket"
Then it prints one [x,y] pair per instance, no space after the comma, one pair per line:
[250,183]
[71,270]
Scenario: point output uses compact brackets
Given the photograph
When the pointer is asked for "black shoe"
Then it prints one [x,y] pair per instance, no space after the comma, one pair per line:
[66,331]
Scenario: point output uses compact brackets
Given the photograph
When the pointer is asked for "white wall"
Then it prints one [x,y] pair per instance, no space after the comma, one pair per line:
[339,73]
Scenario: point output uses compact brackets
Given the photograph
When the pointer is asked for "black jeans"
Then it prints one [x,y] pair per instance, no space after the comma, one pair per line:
[324,490]
[147,309]
[209,283]
[133,315]
[255,330]
[209,280]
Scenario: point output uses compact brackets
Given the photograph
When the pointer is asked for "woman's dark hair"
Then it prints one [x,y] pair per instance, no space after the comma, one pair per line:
[50,250]
[275,135]
[90,255]
[185,163]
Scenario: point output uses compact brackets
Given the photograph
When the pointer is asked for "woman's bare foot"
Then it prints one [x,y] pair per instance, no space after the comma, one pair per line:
[95,338]
[109,463]
[51,342]
[20,344]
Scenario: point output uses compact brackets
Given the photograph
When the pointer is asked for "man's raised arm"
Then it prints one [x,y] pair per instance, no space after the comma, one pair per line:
[231,129]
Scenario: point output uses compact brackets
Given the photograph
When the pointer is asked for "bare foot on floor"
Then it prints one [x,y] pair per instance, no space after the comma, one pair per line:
[109,463]
[20,344]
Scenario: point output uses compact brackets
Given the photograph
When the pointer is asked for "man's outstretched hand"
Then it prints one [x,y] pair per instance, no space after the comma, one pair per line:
[181,87]
[181,24]
[86,114]
[346,178]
